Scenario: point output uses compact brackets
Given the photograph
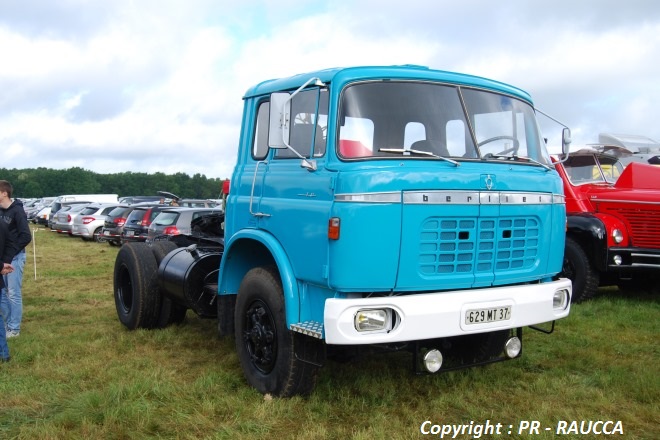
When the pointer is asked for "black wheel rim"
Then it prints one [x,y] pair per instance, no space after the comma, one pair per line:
[260,336]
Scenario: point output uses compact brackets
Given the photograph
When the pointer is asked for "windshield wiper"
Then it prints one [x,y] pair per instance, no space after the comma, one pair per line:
[516,157]
[407,151]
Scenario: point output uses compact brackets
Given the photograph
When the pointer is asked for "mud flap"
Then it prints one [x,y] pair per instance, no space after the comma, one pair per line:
[309,350]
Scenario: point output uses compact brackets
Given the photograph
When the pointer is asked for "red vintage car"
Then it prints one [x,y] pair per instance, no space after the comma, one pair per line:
[613,222]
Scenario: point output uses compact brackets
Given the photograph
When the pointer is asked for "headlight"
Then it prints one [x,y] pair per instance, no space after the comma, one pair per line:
[369,320]
[617,235]
[560,299]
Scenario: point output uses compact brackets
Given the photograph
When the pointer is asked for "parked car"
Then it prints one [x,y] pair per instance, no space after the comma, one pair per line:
[41,217]
[32,212]
[56,207]
[114,224]
[174,200]
[88,225]
[175,221]
[63,219]
[138,221]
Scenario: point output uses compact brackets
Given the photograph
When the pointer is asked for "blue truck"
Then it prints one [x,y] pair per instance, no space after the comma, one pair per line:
[371,208]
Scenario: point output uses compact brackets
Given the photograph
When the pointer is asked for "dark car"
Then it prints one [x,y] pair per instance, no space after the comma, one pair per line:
[114,225]
[175,221]
[138,221]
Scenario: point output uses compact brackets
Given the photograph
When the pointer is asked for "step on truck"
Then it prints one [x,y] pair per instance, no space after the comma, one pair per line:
[371,208]
[613,219]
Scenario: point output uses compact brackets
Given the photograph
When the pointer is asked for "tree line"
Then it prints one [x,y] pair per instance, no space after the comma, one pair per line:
[46,182]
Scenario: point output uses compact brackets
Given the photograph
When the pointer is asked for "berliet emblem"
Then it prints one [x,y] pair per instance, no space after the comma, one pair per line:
[489,182]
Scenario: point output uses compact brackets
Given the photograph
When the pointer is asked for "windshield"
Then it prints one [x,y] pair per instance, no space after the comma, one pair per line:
[424,120]
[593,168]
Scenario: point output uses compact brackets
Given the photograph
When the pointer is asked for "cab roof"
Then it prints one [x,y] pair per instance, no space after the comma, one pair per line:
[344,75]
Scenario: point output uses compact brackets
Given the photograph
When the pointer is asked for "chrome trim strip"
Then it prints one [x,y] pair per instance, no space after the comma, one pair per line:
[385,197]
[438,197]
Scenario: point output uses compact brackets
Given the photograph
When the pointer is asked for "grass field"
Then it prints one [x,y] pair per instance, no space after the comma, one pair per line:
[76,373]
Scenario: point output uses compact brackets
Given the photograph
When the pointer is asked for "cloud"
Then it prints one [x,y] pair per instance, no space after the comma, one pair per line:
[150,85]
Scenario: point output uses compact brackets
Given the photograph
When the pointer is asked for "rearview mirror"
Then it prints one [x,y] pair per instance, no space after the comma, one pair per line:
[280,117]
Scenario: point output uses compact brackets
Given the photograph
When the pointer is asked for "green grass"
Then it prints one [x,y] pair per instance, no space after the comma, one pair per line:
[76,373]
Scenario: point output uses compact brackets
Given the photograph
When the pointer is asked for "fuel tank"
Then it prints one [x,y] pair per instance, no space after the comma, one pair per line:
[189,276]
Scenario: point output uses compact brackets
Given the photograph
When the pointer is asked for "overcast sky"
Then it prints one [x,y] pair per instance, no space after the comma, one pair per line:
[156,85]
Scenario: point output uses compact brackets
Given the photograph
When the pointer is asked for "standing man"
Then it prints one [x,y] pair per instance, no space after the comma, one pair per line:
[7,252]
[11,300]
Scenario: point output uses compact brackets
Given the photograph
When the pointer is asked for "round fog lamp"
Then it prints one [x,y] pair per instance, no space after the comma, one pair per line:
[512,347]
[433,360]
[618,260]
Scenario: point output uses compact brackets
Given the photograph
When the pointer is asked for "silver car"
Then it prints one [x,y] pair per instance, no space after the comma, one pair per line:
[88,224]
[63,219]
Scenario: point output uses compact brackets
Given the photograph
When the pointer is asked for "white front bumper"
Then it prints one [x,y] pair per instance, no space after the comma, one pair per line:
[436,315]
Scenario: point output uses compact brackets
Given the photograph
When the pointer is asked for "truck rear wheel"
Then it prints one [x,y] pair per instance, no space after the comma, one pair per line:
[137,297]
[170,311]
[268,351]
[578,269]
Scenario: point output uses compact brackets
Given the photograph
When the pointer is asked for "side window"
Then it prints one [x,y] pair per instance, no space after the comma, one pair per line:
[260,141]
[308,128]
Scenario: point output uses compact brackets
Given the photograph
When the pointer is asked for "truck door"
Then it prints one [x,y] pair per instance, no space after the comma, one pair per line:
[294,202]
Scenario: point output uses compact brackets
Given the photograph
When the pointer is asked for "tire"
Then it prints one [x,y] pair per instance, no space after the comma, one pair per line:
[136,293]
[269,353]
[97,235]
[170,311]
[579,270]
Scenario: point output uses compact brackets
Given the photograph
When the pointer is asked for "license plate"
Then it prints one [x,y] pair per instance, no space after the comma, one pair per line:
[479,316]
[106,233]
[130,233]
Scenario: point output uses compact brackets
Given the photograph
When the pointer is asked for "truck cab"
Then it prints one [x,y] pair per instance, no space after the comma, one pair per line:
[395,204]
[613,220]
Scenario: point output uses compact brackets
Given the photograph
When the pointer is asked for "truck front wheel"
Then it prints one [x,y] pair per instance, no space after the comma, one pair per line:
[578,269]
[267,350]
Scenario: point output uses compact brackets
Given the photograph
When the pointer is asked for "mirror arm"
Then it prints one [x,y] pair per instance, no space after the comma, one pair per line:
[565,135]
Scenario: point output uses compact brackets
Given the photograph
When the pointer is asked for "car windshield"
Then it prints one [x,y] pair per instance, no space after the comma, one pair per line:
[428,121]
[593,168]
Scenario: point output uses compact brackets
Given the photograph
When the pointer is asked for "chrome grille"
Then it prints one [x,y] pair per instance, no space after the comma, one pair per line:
[464,245]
